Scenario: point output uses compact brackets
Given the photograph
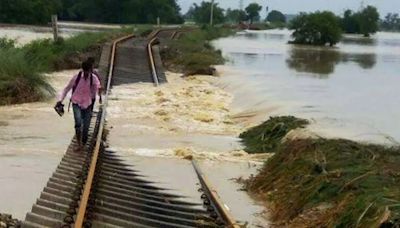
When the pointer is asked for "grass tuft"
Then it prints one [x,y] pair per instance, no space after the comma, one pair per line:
[192,53]
[267,137]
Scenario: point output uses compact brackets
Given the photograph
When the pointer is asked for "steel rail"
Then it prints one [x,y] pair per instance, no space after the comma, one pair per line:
[152,62]
[88,184]
[211,193]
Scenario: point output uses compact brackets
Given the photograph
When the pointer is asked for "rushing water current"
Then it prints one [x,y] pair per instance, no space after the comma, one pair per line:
[351,90]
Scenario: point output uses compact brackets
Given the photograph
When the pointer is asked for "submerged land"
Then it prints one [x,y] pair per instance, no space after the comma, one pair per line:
[304,180]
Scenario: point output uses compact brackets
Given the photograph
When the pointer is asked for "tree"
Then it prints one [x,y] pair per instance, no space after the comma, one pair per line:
[368,20]
[276,16]
[201,13]
[363,22]
[28,11]
[349,22]
[109,11]
[253,12]
[319,28]
[391,22]
[235,15]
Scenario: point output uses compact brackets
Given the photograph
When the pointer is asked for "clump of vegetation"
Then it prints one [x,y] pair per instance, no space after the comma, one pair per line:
[192,53]
[364,22]
[267,137]
[6,43]
[21,68]
[126,11]
[319,28]
[331,183]
[276,16]
[20,80]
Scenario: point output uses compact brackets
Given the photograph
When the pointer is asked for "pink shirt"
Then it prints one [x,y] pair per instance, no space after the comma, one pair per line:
[83,94]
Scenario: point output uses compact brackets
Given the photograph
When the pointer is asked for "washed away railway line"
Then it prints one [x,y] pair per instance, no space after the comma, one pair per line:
[95,188]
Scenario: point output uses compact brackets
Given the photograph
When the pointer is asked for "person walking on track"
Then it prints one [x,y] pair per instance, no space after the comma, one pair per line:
[83,86]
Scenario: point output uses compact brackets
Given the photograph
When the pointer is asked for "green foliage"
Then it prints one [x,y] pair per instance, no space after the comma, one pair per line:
[21,68]
[235,16]
[28,11]
[276,16]
[109,11]
[332,183]
[391,22]
[20,80]
[368,20]
[6,43]
[266,137]
[201,13]
[192,53]
[363,22]
[253,12]
[319,28]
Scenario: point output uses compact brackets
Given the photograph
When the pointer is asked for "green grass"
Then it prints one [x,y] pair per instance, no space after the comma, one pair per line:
[22,68]
[267,136]
[328,182]
[192,53]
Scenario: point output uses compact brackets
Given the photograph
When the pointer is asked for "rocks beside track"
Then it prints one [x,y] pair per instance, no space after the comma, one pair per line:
[7,221]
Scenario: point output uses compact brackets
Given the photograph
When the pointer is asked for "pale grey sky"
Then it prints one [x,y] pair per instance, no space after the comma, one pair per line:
[295,6]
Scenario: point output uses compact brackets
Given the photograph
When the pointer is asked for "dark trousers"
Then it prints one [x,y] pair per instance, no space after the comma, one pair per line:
[82,122]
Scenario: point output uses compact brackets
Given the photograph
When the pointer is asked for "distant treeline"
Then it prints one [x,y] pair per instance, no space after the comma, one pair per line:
[106,11]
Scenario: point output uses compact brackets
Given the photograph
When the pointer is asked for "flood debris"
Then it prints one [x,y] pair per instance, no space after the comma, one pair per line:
[7,221]
[317,182]
[266,137]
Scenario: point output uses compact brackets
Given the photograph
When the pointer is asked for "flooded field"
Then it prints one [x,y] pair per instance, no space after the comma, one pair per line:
[347,91]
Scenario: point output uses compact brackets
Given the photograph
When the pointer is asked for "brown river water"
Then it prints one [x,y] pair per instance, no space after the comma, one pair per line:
[348,91]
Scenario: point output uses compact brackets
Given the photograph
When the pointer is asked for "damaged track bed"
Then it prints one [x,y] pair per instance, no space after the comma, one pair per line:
[94,188]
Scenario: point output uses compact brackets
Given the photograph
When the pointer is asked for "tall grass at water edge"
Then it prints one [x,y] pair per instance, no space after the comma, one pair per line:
[22,68]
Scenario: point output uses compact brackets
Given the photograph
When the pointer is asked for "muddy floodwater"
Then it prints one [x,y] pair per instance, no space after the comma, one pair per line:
[350,91]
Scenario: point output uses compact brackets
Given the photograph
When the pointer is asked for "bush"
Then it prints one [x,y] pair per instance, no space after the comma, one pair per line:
[318,28]
[20,80]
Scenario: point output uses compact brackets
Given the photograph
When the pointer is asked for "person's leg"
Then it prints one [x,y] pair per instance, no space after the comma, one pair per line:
[92,105]
[78,123]
[86,116]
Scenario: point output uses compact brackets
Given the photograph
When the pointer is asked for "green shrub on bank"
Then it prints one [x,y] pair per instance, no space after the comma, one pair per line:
[20,80]
[192,53]
[21,68]
[331,183]
[266,137]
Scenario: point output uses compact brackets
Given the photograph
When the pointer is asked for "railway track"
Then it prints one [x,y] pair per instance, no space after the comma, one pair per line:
[95,188]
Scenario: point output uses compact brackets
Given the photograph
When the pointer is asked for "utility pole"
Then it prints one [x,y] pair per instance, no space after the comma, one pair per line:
[212,13]
[54,23]
[241,5]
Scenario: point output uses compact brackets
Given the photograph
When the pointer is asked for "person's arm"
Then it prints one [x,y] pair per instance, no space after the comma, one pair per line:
[99,91]
[97,87]
[65,91]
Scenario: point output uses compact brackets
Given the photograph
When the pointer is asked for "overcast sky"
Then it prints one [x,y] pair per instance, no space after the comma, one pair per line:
[295,6]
